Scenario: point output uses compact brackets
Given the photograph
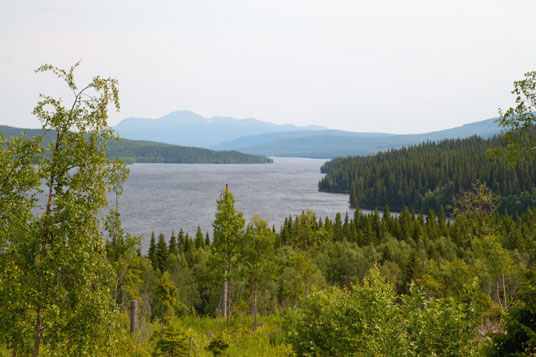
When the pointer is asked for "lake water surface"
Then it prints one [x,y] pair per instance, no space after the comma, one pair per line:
[166,197]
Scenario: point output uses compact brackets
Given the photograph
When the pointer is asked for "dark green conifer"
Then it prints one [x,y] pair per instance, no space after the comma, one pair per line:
[180,241]
[337,228]
[173,244]
[207,240]
[199,239]
[152,252]
[162,252]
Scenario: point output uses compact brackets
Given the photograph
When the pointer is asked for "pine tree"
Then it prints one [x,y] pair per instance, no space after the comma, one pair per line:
[152,252]
[180,241]
[173,244]
[442,220]
[199,239]
[162,253]
[173,341]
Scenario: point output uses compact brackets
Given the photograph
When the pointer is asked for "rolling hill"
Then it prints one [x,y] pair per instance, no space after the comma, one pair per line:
[334,143]
[132,151]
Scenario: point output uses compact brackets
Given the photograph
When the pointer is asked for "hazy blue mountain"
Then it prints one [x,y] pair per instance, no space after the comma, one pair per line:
[190,129]
[254,140]
[330,144]
[132,151]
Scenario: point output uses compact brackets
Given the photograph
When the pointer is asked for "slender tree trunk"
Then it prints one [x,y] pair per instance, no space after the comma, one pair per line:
[229,302]
[37,333]
[254,305]
[504,290]
[498,297]
[40,302]
[123,301]
[116,290]
[424,266]
[38,325]
[223,300]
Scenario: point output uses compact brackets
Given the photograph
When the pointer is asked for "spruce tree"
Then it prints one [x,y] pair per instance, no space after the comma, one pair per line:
[173,244]
[180,242]
[152,252]
[162,252]
[199,239]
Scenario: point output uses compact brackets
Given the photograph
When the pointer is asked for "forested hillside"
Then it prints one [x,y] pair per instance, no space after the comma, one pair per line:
[132,151]
[431,175]
[330,287]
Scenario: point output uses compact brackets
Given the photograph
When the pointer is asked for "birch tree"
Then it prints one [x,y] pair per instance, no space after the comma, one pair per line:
[228,228]
[54,274]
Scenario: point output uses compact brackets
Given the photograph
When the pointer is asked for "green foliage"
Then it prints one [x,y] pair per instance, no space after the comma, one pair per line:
[172,341]
[520,325]
[367,320]
[218,345]
[165,295]
[228,230]
[337,322]
[440,326]
[55,275]
[519,122]
[256,253]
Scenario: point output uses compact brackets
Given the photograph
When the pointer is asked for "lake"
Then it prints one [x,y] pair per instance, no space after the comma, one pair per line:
[166,197]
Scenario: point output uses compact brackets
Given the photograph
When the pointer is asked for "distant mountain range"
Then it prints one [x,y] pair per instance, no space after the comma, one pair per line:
[132,151]
[332,143]
[190,129]
[260,138]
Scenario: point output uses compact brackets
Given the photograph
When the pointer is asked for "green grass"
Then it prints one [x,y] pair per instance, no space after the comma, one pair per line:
[266,341]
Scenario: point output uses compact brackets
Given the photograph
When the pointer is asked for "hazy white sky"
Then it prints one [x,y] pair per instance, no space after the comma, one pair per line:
[378,65]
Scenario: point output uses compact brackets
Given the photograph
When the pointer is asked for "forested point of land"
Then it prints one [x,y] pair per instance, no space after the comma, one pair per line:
[431,175]
[139,151]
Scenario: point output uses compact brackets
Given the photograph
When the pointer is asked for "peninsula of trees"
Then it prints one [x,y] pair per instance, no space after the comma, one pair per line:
[139,151]
[432,175]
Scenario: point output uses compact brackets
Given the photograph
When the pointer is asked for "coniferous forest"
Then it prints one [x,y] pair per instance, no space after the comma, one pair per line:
[449,281]
[431,175]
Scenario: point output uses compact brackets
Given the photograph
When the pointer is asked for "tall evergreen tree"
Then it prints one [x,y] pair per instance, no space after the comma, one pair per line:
[162,252]
[180,241]
[199,239]
[152,252]
[173,244]
[207,240]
